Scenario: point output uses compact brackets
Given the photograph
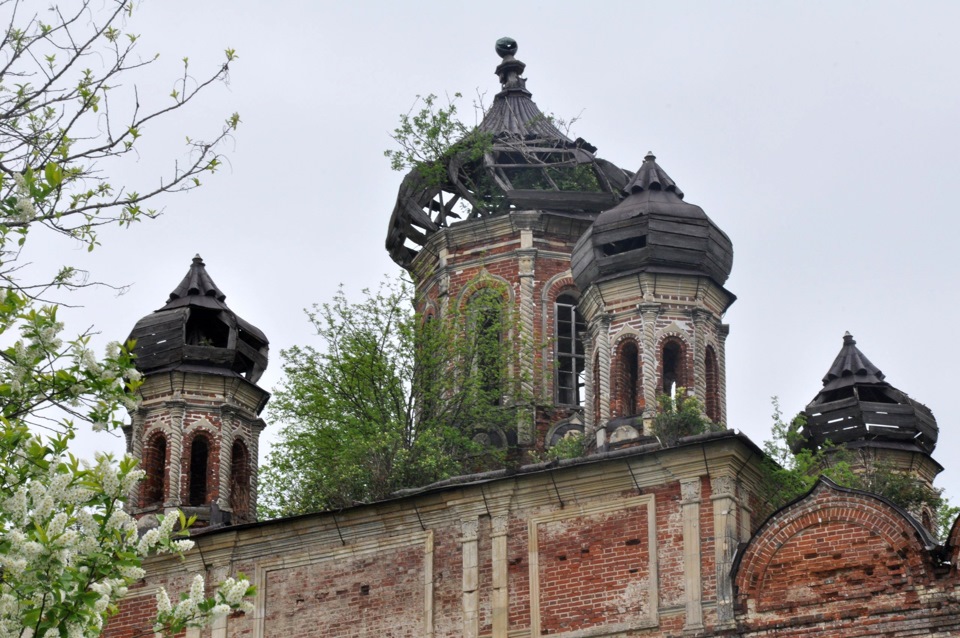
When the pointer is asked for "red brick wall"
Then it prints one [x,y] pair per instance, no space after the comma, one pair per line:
[839,563]
[466,267]
[611,552]
[379,592]
[447,582]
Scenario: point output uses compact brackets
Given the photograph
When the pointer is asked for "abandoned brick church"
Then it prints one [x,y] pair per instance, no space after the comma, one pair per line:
[622,281]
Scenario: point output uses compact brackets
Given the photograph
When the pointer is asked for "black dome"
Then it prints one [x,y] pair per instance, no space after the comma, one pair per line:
[857,407]
[652,230]
[197,331]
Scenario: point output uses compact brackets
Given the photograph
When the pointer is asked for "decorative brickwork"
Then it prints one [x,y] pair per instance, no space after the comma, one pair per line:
[204,422]
[844,563]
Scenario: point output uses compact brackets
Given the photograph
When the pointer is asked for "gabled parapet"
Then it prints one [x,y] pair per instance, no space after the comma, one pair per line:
[836,557]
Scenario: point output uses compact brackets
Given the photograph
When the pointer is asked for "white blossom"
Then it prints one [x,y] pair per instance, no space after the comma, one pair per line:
[163,602]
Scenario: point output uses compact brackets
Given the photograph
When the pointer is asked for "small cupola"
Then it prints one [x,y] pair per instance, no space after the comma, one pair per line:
[652,230]
[516,159]
[858,408]
[196,331]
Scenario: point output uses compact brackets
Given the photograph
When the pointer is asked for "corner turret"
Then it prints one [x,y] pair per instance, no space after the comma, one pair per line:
[196,428]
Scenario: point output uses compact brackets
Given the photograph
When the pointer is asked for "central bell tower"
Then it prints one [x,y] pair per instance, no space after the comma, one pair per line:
[506,220]
[613,283]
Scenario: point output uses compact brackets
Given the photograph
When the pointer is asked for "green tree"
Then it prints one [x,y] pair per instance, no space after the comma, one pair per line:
[68,550]
[390,400]
[679,416]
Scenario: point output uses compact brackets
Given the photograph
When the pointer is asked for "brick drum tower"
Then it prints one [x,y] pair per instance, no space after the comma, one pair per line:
[652,270]
[509,219]
[196,429]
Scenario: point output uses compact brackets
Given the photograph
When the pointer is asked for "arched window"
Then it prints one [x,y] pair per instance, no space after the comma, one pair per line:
[155,467]
[712,382]
[199,455]
[628,378]
[570,363]
[671,363]
[486,324]
[240,481]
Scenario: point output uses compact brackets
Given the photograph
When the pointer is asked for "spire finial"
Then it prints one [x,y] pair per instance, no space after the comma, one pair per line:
[650,157]
[848,339]
[506,47]
[510,68]
[197,259]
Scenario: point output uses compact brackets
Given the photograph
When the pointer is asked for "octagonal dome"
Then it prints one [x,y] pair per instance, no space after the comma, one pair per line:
[857,407]
[196,331]
[652,230]
[516,159]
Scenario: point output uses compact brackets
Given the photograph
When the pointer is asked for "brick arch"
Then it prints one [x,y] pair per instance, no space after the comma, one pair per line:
[953,542]
[156,455]
[200,470]
[484,280]
[835,546]
[430,310]
[627,377]
[683,372]
[557,285]
[626,331]
[241,476]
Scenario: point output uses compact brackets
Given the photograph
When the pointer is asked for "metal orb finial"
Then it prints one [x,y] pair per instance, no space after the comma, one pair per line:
[506,46]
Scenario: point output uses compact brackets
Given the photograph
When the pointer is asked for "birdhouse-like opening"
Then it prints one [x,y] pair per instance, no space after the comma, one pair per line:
[624,245]
[207,328]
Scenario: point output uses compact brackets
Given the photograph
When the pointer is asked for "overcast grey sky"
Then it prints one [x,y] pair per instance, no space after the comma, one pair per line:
[821,136]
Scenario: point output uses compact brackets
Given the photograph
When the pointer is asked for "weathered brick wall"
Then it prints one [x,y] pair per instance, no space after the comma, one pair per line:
[596,548]
[380,593]
[501,252]
[609,550]
[842,563]
[179,407]
[447,581]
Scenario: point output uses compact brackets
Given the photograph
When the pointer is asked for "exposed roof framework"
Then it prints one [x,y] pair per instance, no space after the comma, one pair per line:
[516,159]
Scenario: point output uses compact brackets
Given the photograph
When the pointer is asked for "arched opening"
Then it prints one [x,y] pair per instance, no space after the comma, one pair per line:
[155,467]
[486,319]
[570,362]
[205,327]
[199,456]
[628,380]
[712,398]
[240,481]
[671,362]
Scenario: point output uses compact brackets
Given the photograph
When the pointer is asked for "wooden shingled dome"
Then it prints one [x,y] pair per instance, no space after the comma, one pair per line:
[526,163]
[196,331]
[652,230]
[858,408]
